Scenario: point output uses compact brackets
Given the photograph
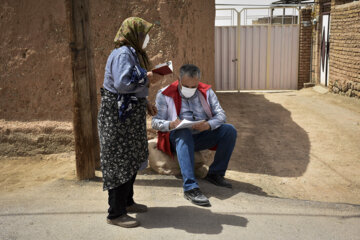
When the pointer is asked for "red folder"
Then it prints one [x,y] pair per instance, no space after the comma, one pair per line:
[163,68]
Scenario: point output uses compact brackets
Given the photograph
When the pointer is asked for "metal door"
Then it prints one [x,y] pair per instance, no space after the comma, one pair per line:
[269,57]
[225,58]
[256,57]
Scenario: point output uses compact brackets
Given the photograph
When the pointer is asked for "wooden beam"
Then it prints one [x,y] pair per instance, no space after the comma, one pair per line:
[84,89]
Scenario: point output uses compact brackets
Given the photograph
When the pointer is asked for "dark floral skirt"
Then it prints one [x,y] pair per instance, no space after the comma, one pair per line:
[123,144]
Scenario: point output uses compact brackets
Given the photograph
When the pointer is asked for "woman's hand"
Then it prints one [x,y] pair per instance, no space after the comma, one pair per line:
[151,109]
[202,126]
[154,77]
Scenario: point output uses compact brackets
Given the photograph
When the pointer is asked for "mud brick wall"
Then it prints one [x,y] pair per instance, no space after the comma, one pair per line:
[183,32]
[35,70]
[304,47]
[339,2]
[344,76]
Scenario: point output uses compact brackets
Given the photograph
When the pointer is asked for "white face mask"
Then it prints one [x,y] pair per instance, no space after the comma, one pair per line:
[188,92]
[146,41]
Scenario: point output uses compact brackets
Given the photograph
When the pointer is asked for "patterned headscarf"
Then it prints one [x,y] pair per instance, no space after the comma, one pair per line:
[132,33]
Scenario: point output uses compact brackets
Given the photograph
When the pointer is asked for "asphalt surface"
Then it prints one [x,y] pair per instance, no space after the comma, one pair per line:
[69,209]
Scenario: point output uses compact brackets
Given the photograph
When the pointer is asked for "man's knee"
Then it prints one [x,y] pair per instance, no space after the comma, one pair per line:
[181,133]
[229,130]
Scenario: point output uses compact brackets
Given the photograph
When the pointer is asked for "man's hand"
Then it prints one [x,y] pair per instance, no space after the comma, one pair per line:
[151,109]
[175,123]
[154,77]
[202,126]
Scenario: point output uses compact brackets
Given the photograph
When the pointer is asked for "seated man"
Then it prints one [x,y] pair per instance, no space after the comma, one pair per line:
[192,100]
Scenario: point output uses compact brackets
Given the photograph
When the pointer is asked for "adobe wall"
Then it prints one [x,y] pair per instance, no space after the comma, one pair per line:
[344,76]
[34,61]
[35,72]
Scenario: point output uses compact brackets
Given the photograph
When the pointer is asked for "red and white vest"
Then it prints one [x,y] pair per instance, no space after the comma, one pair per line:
[173,100]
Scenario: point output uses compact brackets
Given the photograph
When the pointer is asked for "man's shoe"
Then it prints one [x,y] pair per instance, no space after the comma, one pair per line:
[124,221]
[136,208]
[218,180]
[196,197]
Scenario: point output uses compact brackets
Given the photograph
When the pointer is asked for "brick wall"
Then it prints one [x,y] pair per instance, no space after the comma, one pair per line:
[339,2]
[344,76]
[304,47]
[315,67]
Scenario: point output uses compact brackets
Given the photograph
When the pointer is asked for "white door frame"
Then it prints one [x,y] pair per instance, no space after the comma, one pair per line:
[324,50]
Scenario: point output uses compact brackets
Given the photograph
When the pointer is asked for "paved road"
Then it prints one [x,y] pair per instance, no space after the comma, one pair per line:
[68,209]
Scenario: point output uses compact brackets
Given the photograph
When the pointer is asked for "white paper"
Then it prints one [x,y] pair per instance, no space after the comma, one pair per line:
[186,124]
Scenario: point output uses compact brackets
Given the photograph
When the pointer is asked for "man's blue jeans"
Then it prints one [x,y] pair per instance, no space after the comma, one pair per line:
[185,143]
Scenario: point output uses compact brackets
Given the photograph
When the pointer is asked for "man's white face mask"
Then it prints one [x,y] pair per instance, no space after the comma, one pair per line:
[188,92]
[146,41]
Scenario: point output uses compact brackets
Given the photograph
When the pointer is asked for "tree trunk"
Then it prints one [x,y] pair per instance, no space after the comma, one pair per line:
[84,90]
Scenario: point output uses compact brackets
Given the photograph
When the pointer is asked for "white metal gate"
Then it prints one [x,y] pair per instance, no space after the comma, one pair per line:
[256,57]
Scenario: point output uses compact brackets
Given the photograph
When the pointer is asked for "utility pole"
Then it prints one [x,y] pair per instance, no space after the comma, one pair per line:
[84,90]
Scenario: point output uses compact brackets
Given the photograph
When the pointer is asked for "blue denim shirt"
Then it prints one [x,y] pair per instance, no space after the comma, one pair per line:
[191,109]
[118,71]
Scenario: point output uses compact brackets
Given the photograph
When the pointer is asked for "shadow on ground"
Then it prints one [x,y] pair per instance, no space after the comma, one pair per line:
[222,193]
[209,189]
[269,141]
[190,219]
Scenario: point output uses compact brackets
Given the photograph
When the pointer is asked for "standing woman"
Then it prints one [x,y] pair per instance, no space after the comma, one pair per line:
[122,119]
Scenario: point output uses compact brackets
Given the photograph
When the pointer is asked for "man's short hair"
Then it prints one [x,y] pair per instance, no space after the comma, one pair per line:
[190,70]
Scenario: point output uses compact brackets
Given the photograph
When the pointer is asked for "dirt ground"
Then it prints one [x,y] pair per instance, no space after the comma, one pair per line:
[296,144]
[300,144]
